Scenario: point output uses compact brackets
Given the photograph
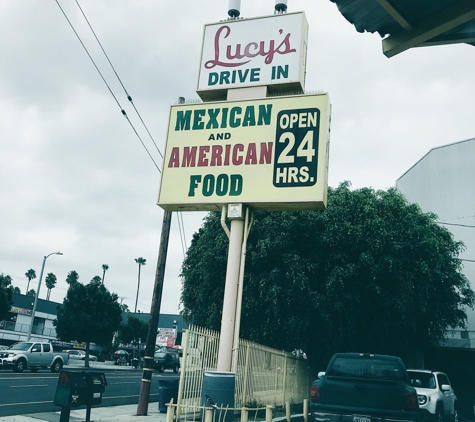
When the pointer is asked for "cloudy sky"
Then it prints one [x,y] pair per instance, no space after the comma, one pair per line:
[74,176]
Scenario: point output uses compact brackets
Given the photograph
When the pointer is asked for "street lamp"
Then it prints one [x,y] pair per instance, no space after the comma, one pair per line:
[38,293]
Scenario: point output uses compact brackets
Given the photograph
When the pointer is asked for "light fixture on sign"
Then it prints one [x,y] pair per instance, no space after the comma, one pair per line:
[280,6]
[234,9]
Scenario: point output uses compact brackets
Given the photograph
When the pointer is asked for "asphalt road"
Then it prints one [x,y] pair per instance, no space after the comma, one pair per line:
[34,393]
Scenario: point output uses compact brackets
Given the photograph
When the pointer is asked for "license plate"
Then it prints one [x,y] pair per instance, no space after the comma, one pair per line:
[357,418]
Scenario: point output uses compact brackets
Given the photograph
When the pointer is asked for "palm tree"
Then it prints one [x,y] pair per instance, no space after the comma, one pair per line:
[30,275]
[105,267]
[141,261]
[72,277]
[50,281]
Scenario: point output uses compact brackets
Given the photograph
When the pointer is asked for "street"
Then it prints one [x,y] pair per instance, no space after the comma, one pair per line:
[34,392]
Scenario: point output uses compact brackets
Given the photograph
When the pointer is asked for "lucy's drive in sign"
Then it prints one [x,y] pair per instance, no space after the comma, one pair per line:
[271,154]
[269,50]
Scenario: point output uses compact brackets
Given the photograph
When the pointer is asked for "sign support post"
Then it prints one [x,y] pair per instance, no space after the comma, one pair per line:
[226,339]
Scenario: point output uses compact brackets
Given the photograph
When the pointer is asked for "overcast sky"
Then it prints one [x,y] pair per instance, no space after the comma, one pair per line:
[75,178]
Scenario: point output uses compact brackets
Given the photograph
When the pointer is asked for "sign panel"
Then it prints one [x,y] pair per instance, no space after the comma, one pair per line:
[270,50]
[271,154]
[165,341]
[22,311]
[166,337]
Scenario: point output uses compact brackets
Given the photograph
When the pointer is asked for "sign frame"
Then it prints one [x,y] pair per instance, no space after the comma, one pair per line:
[231,146]
[266,51]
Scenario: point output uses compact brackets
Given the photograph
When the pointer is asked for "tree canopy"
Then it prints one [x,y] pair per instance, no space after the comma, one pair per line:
[96,279]
[371,273]
[132,331]
[6,291]
[72,277]
[90,313]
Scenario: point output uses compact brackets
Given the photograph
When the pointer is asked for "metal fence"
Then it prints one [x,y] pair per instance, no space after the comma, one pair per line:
[264,376]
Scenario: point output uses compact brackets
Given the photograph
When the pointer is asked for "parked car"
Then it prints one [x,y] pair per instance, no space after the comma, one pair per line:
[22,355]
[436,397]
[361,387]
[166,358]
[80,354]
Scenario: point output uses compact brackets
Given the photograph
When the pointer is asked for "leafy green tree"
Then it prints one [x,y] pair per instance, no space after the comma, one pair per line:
[105,267]
[72,277]
[96,279]
[141,261]
[30,275]
[90,313]
[31,292]
[16,290]
[50,282]
[6,291]
[134,330]
[372,273]
[124,307]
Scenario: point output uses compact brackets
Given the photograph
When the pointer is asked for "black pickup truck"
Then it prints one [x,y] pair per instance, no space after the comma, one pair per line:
[359,387]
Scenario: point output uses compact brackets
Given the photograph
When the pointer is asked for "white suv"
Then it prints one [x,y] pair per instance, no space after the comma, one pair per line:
[436,397]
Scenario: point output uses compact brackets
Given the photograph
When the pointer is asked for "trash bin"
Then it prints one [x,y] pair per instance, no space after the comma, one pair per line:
[167,390]
[218,389]
[135,363]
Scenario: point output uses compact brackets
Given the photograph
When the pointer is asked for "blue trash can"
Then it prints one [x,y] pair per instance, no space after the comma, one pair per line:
[167,390]
[218,388]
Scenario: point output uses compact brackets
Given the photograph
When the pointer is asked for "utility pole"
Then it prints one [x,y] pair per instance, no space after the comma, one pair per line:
[144,395]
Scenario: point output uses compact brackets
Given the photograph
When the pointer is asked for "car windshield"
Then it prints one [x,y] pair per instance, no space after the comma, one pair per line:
[366,368]
[20,346]
[422,379]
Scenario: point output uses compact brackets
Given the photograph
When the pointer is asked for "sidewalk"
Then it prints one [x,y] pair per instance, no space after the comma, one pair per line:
[125,413]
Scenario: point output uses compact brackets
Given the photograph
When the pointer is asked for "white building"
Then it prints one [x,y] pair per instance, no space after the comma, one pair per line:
[443,182]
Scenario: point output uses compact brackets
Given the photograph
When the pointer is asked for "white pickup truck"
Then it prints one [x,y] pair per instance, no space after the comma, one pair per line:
[32,355]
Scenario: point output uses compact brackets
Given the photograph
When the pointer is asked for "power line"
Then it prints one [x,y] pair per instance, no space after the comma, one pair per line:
[455,224]
[108,87]
[181,224]
[116,74]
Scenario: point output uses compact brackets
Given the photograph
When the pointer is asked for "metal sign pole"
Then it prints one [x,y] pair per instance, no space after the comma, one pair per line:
[230,295]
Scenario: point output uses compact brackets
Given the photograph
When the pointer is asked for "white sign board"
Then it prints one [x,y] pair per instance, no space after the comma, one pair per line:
[166,332]
[269,50]
[271,154]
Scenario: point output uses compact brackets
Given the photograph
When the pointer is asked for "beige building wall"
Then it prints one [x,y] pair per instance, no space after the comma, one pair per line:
[443,182]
